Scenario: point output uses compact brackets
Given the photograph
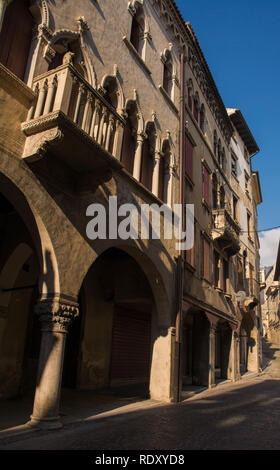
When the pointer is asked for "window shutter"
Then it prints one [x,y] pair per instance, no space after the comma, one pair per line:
[188,158]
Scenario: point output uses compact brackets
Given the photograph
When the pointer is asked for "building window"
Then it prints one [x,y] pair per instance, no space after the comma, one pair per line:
[188,157]
[215,143]
[235,207]
[190,254]
[148,154]
[137,32]
[190,94]
[246,177]
[216,269]
[222,198]
[202,118]
[16,37]
[206,259]
[167,83]
[225,275]
[206,185]
[196,107]
[249,224]
[251,279]
[214,192]
[233,165]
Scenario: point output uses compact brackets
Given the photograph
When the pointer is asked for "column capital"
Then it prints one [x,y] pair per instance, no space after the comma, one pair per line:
[57,313]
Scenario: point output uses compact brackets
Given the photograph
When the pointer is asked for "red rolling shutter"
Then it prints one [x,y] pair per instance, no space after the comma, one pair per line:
[131,346]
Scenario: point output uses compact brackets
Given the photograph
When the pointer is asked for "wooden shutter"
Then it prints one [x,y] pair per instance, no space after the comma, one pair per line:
[15,37]
[131,346]
[189,157]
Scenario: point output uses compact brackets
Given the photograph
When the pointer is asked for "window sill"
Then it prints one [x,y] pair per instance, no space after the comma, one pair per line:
[250,239]
[189,180]
[189,267]
[235,177]
[168,99]
[136,55]
[206,205]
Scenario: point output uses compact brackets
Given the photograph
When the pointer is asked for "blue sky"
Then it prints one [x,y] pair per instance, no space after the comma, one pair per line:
[240,41]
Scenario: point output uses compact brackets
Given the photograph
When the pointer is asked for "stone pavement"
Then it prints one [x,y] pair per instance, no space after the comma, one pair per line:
[241,415]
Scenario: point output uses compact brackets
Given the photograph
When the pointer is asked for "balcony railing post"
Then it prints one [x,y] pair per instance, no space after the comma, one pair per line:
[43,87]
[96,110]
[50,96]
[78,103]
[99,135]
[64,90]
[88,106]
[110,132]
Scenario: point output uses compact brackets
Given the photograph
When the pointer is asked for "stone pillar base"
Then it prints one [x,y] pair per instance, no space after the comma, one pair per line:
[45,423]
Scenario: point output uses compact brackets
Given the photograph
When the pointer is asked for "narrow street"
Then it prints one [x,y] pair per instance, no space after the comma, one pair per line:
[244,415]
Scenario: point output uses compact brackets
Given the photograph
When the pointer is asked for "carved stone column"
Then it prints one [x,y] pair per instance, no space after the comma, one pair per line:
[56,315]
[138,156]
[155,183]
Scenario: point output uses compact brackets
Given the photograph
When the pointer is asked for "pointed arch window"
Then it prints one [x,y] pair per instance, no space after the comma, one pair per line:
[16,36]
[137,31]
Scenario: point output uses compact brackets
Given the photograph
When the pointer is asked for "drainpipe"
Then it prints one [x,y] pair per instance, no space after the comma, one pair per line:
[180,266]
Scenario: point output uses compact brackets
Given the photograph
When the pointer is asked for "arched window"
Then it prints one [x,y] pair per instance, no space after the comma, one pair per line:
[163,172]
[129,138]
[223,159]
[190,95]
[16,36]
[110,86]
[137,30]
[69,50]
[214,192]
[148,153]
[196,106]
[167,73]
[219,152]
[222,198]
[202,118]
[215,142]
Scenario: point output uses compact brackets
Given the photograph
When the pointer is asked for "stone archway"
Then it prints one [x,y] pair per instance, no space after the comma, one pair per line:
[120,338]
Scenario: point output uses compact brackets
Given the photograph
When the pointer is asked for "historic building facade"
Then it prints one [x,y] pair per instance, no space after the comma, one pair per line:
[112,107]
[269,277]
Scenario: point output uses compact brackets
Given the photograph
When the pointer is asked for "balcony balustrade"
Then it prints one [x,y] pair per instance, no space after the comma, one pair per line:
[225,231]
[74,121]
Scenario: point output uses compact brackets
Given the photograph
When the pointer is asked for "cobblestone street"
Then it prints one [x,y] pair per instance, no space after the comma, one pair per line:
[244,415]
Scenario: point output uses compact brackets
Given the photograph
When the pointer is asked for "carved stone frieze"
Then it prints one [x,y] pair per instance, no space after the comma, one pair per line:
[56,314]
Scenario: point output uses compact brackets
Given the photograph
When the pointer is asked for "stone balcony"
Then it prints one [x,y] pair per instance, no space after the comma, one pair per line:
[74,122]
[225,231]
